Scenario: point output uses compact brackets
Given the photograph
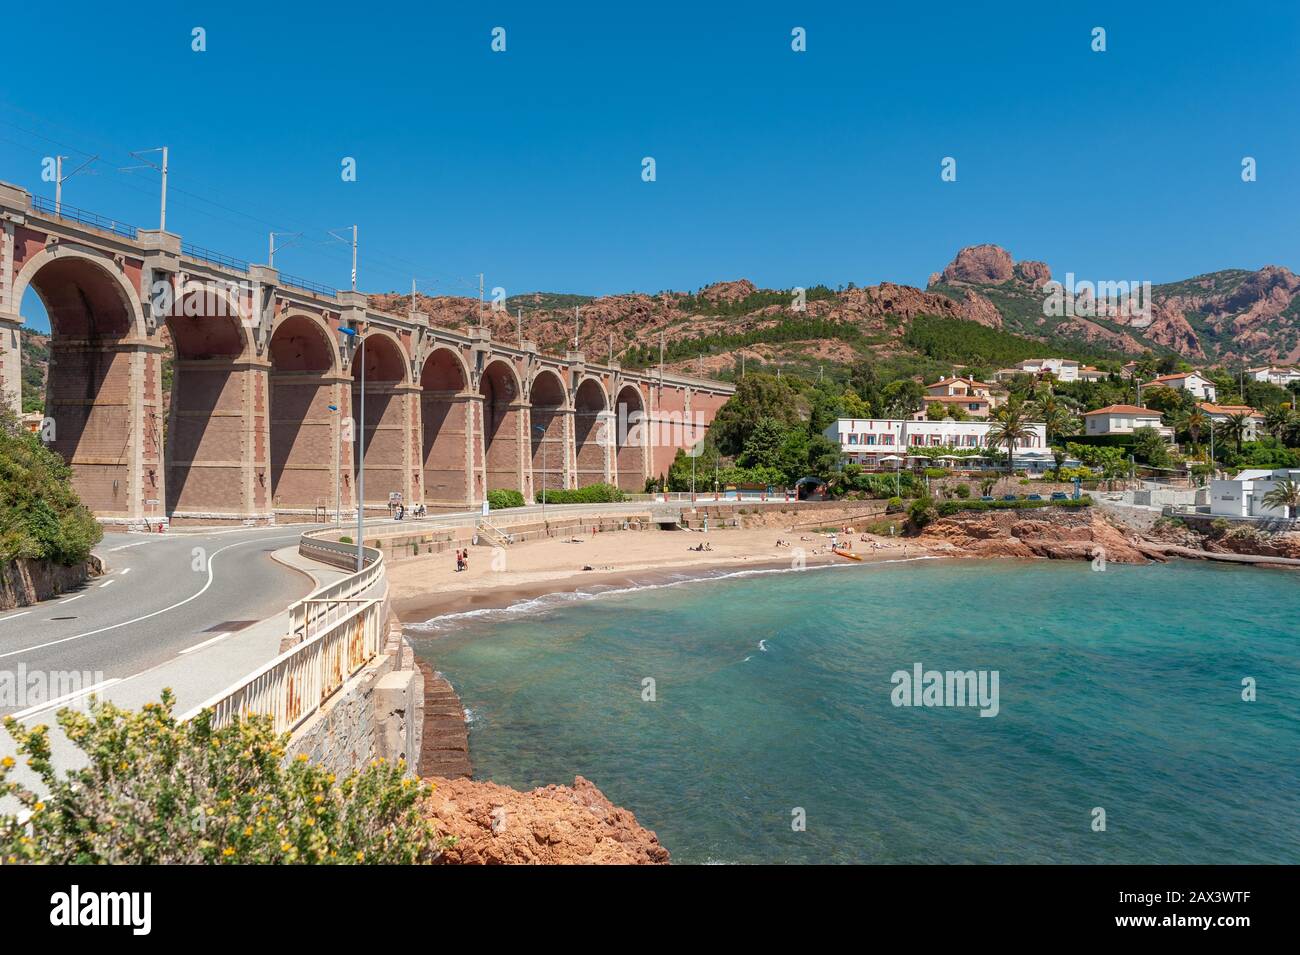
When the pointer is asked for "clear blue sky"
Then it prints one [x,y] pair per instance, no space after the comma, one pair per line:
[785,168]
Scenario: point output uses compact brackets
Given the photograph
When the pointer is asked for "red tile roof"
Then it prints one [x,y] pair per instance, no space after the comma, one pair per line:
[1124,409]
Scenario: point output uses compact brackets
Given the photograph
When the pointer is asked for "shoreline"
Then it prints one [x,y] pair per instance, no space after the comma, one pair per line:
[417,609]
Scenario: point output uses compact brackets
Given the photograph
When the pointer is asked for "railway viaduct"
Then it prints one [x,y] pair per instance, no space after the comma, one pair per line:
[265,393]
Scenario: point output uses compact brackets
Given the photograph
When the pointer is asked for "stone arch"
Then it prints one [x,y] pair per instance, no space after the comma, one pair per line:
[211,405]
[591,432]
[548,430]
[385,433]
[631,438]
[103,390]
[309,401]
[503,426]
[74,268]
[445,414]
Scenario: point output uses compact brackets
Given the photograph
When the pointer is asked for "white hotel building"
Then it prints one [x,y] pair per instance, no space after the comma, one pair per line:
[868,441]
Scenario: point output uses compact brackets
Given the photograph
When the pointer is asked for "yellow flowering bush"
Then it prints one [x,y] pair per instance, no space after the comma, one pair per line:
[155,790]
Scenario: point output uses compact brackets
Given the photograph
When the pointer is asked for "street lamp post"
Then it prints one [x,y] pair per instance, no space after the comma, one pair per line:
[360,344]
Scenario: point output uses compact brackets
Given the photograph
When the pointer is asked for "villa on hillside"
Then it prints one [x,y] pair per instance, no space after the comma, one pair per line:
[1062,369]
[1280,375]
[886,443]
[1192,382]
[1243,495]
[974,397]
[1125,419]
[1221,413]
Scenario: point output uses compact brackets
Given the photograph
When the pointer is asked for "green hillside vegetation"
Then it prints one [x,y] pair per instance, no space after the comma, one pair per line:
[960,340]
[1219,283]
[41,516]
[35,361]
[785,330]
[546,301]
[758,299]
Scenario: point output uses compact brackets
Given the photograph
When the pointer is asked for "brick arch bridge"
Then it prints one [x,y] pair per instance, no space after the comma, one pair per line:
[265,396]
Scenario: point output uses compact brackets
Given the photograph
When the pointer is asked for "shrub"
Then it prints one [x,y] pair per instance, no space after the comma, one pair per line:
[893,505]
[345,539]
[158,791]
[921,512]
[591,494]
[41,516]
[962,490]
[935,474]
[504,497]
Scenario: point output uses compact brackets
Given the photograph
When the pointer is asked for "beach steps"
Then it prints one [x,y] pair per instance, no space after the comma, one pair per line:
[444,747]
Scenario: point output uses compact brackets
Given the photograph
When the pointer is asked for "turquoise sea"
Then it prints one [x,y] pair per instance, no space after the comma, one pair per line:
[1119,690]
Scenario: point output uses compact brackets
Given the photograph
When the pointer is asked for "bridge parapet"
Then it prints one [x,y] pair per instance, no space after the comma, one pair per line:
[259,417]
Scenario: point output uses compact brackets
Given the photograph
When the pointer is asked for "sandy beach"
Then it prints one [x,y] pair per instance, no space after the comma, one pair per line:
[428,587]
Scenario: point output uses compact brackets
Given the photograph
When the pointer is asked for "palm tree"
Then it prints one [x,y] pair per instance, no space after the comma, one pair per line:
[1232,428]
[1009,425]
[1056,416]
[1286,495]
[1278,420]
[1193,421]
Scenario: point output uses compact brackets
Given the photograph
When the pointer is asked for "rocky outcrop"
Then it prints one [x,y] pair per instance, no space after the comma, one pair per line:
[728,291]
[1036,274]
[495,825]
[1059,533]
[977,308]
[980,265]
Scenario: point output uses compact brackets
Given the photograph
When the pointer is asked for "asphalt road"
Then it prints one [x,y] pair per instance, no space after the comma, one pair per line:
[161,594]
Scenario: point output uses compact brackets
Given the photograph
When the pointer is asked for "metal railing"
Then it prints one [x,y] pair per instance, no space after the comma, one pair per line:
[65,211]
[309,286]
[216,258]
[294,685]
[305,614]
[336,632]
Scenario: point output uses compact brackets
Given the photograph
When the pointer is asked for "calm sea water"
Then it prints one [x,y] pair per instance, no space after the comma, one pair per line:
[1120,690]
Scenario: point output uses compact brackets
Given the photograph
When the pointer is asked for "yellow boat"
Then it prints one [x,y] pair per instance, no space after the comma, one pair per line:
[845,553]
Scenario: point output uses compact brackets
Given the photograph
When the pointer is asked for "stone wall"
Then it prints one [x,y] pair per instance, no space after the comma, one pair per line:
[378,714]
[24,582]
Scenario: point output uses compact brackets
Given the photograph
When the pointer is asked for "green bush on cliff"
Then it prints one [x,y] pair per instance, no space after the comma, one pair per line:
[41,516]
[155,790]
[503,498]
[591,494]
[948,508]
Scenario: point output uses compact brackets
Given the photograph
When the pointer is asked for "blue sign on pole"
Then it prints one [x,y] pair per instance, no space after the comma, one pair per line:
[1077,484]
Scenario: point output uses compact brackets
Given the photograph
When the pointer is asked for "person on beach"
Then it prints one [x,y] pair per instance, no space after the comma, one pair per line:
[460,564]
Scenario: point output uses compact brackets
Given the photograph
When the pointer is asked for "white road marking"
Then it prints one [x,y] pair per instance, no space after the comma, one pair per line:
[105,583]
[124,571]
[13,615]
[66,698]
[205,643]
[212,558]
[70,599]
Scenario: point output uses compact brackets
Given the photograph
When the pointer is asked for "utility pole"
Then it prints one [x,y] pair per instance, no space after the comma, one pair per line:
[272,248]
[577,328]
[60,179]
[335,234]
[611,348]
[661,360]
[412,309]
[480,299]
[519,327]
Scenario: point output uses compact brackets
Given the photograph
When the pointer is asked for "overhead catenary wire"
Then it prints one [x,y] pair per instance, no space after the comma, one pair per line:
[383,262]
